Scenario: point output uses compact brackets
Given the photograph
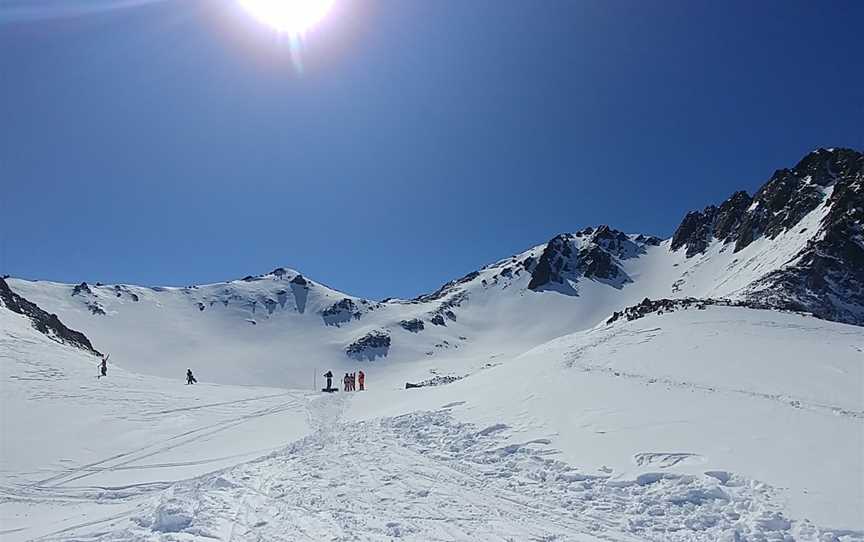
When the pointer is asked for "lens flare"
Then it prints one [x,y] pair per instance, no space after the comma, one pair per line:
[292,17]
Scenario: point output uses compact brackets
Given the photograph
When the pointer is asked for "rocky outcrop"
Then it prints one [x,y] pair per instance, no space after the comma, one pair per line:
[660,306]
[826,277]
[590,253]
[341,312]
[779,205]
[299,280]
[370,346]
[414,325]
[44,322]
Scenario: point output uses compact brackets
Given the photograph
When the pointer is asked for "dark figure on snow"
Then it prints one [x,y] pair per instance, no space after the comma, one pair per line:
[190,378]
[346,382]
[361,379]
[103,367]
[329,376]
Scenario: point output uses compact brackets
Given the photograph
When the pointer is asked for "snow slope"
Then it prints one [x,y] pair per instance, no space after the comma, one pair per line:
[641,430]
[70,440]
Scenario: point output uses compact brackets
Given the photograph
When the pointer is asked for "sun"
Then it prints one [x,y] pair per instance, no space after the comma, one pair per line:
[293,17]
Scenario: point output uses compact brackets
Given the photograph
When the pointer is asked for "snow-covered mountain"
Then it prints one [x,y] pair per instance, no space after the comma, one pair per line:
[599,386]
[797,244]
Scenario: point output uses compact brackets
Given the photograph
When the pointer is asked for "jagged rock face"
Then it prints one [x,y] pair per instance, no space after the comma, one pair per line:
[589,253]
[370,346]
[826,277]
[299,281]
[447,288]
[660,306]
[415,325]
[341,312]
[778,206]
[83,290]
[43,322]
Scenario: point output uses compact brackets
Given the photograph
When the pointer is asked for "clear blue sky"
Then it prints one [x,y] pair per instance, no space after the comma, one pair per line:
[174,143]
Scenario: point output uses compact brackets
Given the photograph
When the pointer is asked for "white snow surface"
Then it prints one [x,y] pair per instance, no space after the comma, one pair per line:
[662,428]
[719,424]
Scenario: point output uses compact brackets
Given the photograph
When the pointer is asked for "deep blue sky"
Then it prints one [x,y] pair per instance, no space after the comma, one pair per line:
[175,143]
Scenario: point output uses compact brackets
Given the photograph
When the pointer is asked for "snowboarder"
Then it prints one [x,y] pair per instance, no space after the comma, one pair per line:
[361,379]
[190,378]
[329,376]
[103,367]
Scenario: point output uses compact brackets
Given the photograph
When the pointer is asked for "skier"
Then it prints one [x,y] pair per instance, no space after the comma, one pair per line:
[103,367]
[361,379]
[190,378]
[329,376]
[353,381]
[345,382]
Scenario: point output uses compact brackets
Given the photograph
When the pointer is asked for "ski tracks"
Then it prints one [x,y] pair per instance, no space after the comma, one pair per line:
[426,476]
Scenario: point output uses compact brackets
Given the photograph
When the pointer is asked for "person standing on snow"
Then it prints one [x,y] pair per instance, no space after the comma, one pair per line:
[329,376]
[190,378]
[353,381]
[345,382]
[361,379]
[103,367]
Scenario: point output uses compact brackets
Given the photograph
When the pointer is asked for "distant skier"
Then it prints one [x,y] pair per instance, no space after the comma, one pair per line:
[361,379]
[103,367]
[353,382]
[190,378]
[346,382]
[329,376]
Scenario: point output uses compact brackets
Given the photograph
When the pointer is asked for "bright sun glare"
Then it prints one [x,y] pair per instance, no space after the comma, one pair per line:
[293,17]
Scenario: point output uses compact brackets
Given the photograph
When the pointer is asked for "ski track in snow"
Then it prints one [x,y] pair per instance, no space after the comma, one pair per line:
[426,476]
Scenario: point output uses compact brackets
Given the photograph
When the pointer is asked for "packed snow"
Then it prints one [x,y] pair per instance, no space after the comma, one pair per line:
[657,429]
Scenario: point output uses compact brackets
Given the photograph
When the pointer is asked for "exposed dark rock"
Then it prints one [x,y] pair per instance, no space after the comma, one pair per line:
[44,322]
[82,288]
[592,253]
[695,231]
[370,346]
[779,205]
[447,288]
[597,263]
[415,325]
[340,312]
[437,380]
[279,272]
[551,263]
[438,320]
[299,281]
[826,278]
[660,306]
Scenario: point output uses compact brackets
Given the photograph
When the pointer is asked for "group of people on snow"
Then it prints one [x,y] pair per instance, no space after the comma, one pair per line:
[349,382]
